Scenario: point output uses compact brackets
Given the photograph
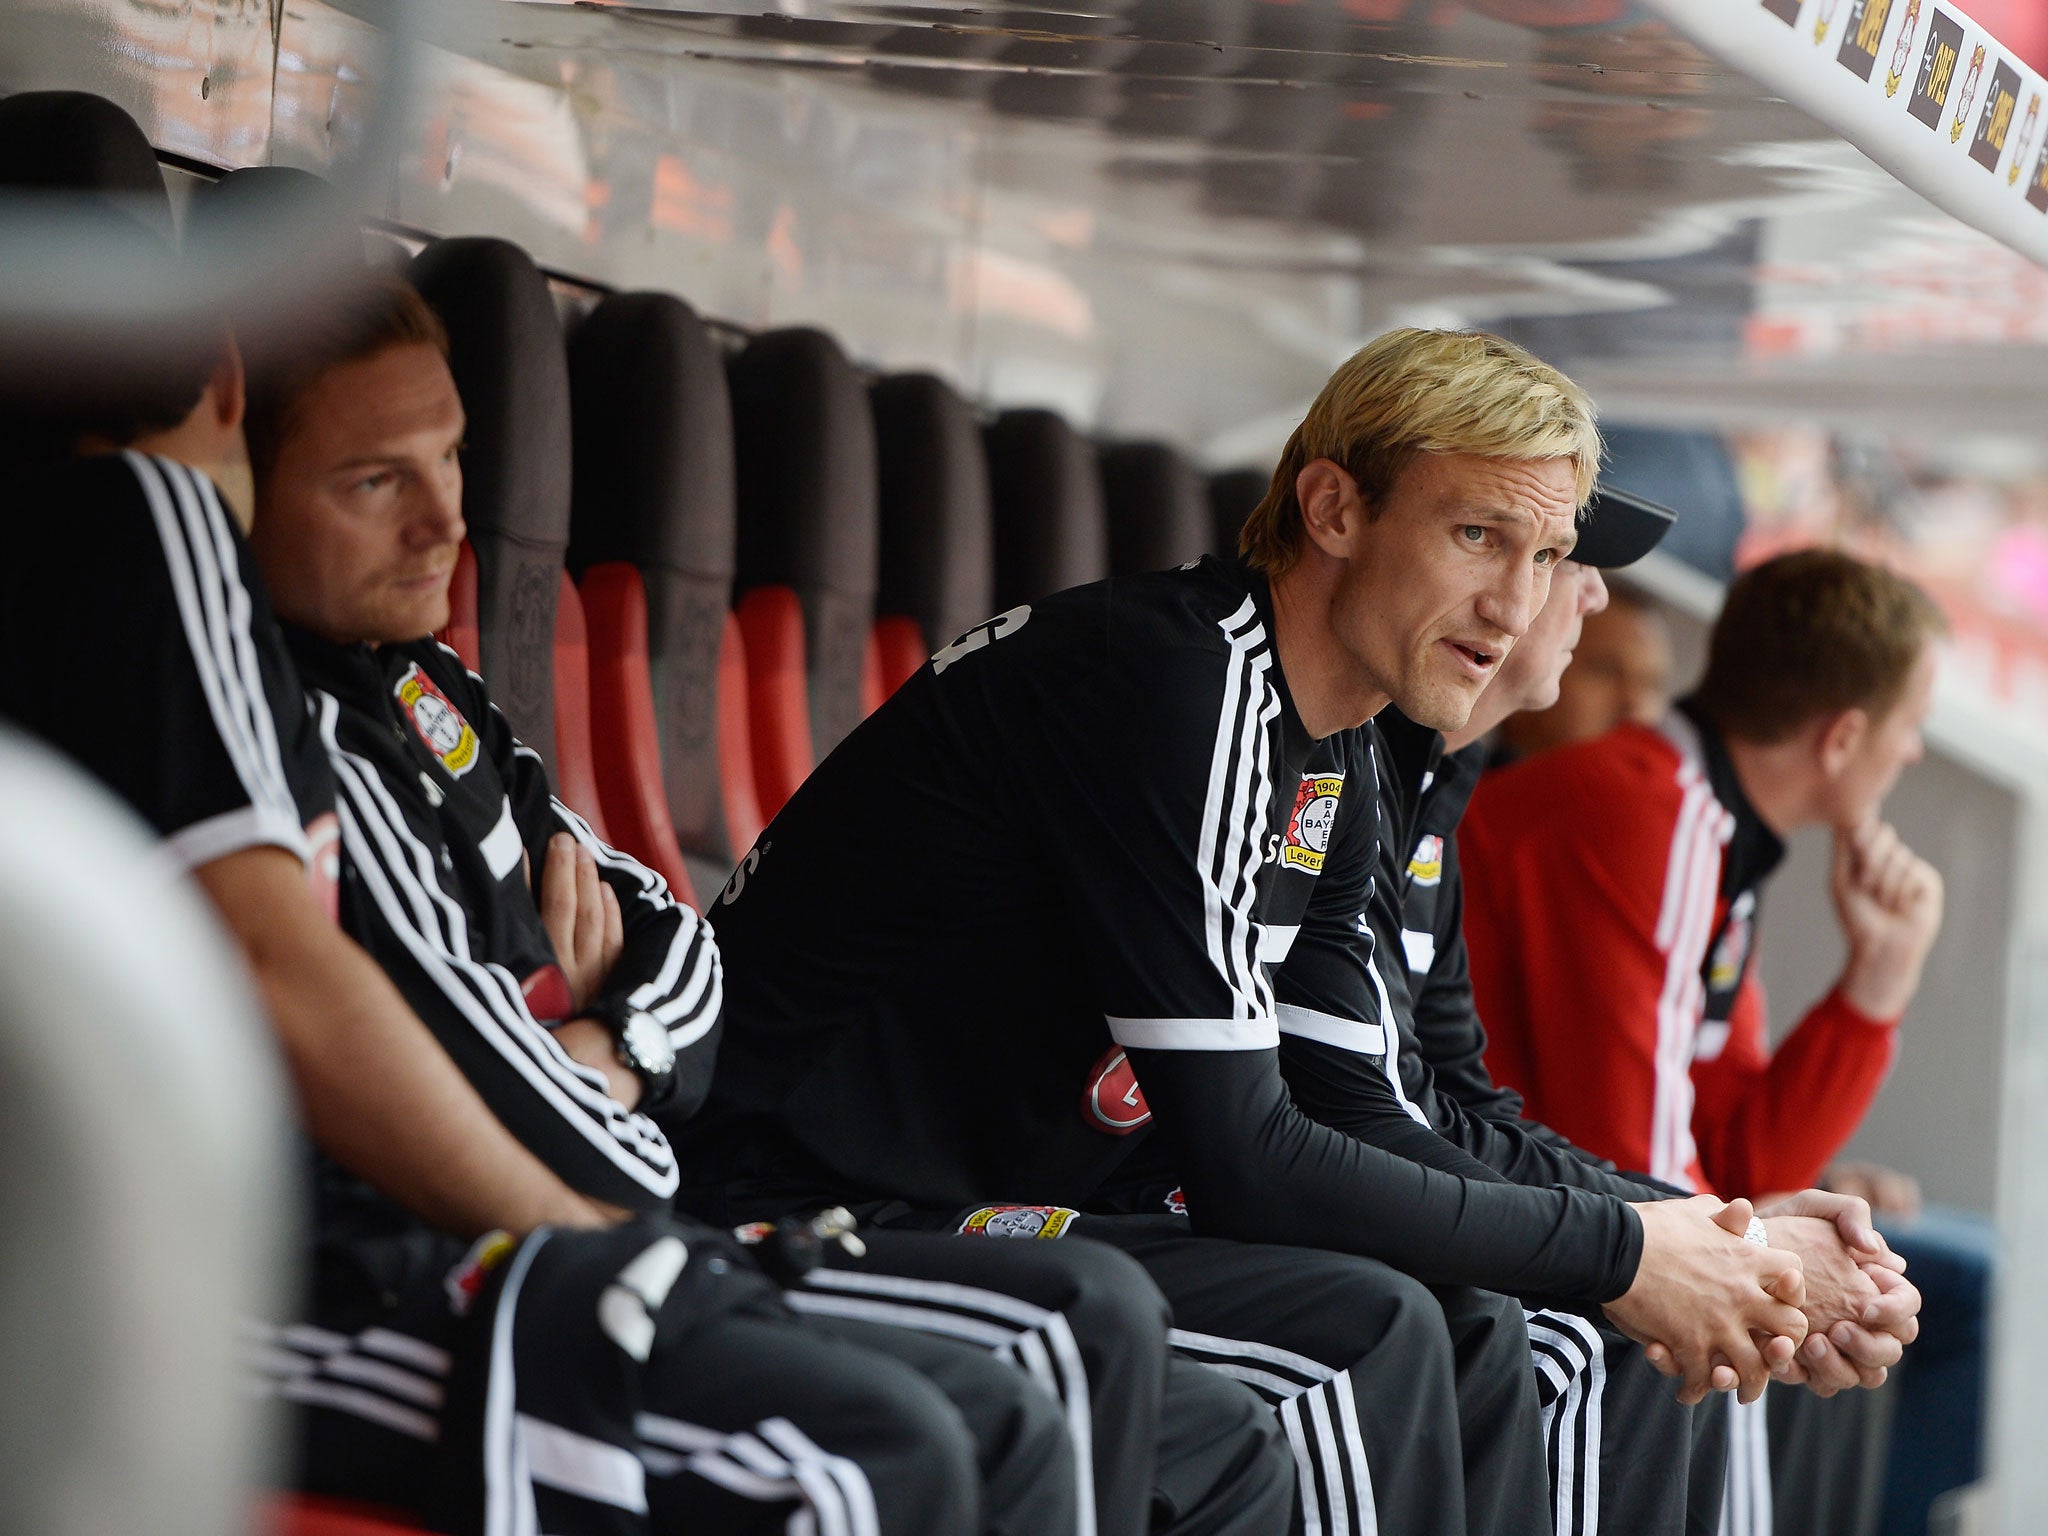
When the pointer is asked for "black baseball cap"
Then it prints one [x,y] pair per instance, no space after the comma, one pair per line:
[1618,528]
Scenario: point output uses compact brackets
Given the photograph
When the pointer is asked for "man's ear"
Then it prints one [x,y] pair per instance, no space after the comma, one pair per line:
[1332,510]
[229,385]
[1841,738]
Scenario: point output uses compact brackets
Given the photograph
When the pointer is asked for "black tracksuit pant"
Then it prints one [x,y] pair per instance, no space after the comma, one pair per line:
[1410,1410]
[648,1379]
[1162,1445]
[1626,1458]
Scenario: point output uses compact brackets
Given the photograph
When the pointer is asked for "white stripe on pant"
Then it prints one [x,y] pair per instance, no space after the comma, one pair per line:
[1334,1482]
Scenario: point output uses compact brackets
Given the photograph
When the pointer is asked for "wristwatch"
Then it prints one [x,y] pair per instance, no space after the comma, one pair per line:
[643,1045]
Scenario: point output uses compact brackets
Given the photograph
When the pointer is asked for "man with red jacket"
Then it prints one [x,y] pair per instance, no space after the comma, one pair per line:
[1649,849]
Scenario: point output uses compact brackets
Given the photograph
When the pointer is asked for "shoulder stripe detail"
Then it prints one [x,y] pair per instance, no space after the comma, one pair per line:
[215,611]
[1233,810]
[377,842]
[1684,926]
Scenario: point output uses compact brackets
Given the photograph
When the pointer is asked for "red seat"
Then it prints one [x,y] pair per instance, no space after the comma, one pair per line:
[461,633]
[743,818]
[576,784]
[898,649]
[778,700]
[300,1514]
[625,735]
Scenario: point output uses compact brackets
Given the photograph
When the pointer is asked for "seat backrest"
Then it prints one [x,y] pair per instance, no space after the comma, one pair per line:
[1050,528]
[505,350]
[806,455]
[937,568]
[1233,496]
[1158,514]
[654,487]
[575,776]
[628,768]
[72,141]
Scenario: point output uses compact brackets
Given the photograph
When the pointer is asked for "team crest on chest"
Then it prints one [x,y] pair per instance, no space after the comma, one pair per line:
[1732,953]
[1308,829]
[440,724]
[1427,865]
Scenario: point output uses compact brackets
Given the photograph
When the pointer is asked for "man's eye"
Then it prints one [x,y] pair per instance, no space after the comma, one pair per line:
[376,482]
[1473,533]
[1546,557]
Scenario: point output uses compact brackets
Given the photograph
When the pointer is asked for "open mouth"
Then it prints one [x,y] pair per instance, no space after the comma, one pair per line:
[1477,660]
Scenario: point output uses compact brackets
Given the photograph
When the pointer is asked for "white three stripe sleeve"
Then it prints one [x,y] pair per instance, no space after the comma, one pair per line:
[670,966]
[215,611]
[478,1011]
[1229,850]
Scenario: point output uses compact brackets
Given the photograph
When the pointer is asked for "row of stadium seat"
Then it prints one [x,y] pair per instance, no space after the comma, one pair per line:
[691,571]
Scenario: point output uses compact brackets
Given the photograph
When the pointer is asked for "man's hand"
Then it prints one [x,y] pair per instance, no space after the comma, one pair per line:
[1888,1191]
[1859,1325]
[590,1044]
[1889,902]
[1701,1291]
[581,914]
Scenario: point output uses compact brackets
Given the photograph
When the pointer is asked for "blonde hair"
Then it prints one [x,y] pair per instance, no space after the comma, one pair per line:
[1411,392]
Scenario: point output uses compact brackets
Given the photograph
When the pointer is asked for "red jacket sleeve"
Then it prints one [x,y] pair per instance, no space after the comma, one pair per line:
[1766,1123]
[1565,861]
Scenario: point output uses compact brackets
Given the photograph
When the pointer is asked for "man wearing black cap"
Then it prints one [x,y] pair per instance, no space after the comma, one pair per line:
[1415,909]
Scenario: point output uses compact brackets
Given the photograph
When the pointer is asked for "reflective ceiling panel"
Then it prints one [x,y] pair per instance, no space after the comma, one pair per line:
[1163,217]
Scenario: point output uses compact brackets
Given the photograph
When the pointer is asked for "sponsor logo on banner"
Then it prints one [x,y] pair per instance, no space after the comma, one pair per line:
[1995,125]
[1967,95]
[439,723]
[1902,50]
[1426,866]
[1019,1221]
[1864,36]
[1938,60]
[2037,189]
[1113,1101]
[2019,150]
[1786,11]
[1825,19]
[1308,828]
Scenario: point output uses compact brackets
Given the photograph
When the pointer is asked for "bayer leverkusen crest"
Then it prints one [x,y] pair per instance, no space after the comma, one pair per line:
[1308,828]
[440,724]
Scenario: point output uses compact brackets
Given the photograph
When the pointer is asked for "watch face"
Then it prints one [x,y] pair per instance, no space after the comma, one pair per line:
[647,1044]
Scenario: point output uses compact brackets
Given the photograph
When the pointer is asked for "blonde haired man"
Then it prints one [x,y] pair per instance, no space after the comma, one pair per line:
[1112,839]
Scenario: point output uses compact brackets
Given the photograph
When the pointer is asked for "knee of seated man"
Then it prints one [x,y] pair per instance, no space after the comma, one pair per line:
[1112,1294]
[912,1428]
[1378,1306]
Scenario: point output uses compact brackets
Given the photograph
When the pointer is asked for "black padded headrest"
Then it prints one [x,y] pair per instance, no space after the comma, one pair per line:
[505,350]
[69,141]
[101,328]
[1158,512]
[1233,496]
[938,527]
[655,486]
[806,447]
[1051,531]
[654,451]
[282,233]
[278,203]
